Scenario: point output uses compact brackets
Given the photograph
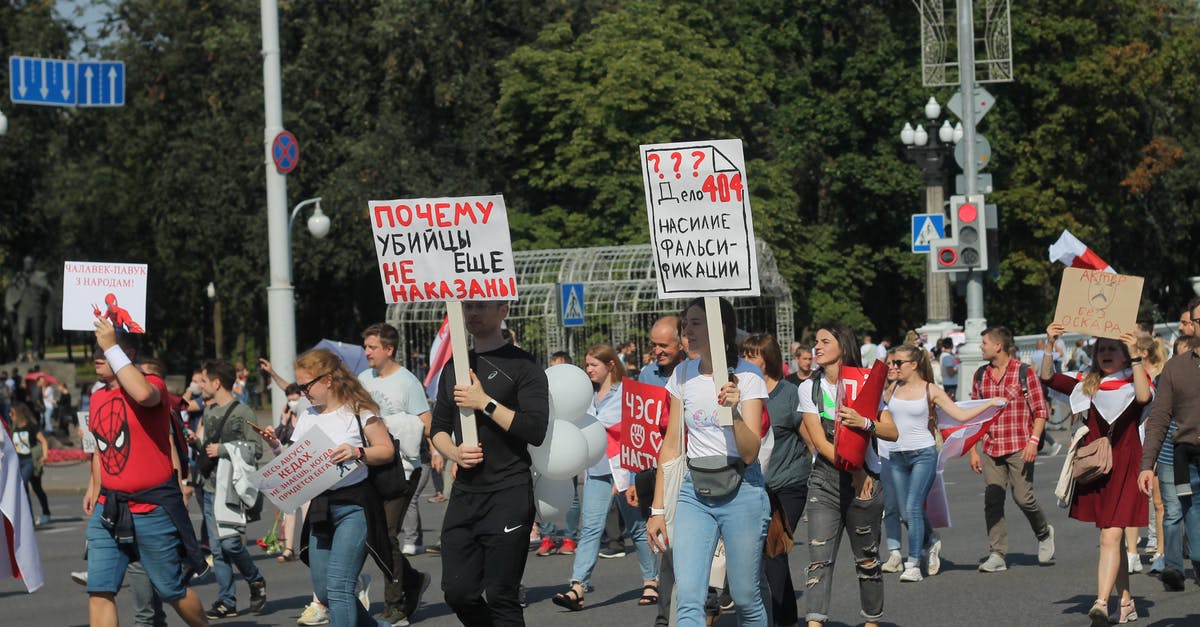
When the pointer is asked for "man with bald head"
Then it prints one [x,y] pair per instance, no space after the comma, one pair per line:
[666,345]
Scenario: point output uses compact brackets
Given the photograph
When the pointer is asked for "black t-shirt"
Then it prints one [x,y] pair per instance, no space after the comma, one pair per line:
[513,378]
[24,439]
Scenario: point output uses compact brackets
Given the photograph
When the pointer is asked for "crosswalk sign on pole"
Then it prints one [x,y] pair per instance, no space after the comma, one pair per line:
[572,304]
[927,227]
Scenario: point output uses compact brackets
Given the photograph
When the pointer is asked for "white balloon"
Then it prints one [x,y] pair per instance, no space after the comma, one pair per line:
[595,436]
[570,391]
[564,452]
[553,498]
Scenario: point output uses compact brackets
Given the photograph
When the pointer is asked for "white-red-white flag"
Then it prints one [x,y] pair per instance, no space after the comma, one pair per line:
[19,556]
[439,353]
[957,439]
[1068,250]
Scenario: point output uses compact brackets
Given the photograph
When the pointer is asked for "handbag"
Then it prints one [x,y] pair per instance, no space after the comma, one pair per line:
[388,479]
[779,532]
[1093,460]
[716,476]
[1065,489]
[673,472]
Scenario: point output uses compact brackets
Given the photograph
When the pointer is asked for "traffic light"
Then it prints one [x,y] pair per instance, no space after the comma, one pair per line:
[966,248]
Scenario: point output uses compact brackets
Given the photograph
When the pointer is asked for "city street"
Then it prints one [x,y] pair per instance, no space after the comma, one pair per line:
[1027,594]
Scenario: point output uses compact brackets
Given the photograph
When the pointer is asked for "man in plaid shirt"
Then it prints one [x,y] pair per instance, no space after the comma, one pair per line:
[1010,446]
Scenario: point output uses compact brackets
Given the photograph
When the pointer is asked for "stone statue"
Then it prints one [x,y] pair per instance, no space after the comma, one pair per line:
[27,307]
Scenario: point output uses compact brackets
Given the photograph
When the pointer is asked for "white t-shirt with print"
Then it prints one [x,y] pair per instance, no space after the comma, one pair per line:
[807,406]
[341,425]
[706,437]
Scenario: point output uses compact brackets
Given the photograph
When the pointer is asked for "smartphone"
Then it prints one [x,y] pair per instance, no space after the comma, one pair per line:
[257,428]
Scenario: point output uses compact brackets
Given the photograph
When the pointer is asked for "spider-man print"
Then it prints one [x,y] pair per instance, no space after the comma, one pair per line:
[110,425]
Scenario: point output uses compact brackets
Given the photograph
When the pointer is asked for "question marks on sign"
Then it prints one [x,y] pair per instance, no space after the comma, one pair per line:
[655,159]
[699,155]
[678,159]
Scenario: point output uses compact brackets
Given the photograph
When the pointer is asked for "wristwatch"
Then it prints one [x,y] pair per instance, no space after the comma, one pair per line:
[490,407]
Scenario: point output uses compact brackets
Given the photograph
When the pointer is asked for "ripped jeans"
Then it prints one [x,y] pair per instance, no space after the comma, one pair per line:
[832,507]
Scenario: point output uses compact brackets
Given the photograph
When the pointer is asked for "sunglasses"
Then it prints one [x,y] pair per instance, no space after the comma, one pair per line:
[900,362]
[304,386]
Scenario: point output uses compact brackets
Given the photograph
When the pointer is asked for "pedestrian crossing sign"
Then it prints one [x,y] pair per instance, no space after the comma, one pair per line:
[572,304]
[927,227]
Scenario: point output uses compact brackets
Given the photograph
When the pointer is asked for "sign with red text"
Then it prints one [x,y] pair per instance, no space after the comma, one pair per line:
[302,471]
[701,227]
[443,249]
[644,412]
[1099,303]
[115,291]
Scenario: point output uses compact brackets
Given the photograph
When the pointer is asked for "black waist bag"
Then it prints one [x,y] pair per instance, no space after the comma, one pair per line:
[716,476]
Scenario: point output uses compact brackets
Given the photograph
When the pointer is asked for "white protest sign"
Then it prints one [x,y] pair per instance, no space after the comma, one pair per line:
[89,440]
[116,291]
[302,471]
[701,227]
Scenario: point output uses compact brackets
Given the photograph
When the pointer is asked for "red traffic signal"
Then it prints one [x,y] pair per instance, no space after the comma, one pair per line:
[947,256]
[967,213]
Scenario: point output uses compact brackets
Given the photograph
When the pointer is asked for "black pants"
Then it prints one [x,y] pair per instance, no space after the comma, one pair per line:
[485,542]
[779,575]
[406,575]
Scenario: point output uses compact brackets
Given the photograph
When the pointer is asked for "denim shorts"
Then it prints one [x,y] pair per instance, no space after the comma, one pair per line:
[159,549]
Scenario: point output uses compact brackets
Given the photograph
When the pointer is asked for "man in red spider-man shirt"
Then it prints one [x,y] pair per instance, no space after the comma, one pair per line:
[134,503]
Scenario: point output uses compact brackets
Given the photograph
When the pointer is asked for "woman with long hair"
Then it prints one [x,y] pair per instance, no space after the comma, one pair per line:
[791,464]
[346,521]
[841,500]
[1113,395]
[31,448]
[912,459]
[604,482]
[722,495]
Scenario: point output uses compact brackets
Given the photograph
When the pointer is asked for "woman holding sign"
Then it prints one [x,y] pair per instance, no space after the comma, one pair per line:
[841,500]
[723,494]
[606,480]
[1113,395]
[342,517]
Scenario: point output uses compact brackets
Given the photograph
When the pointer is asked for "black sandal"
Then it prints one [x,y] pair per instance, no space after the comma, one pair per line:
[647,598]
[570,599]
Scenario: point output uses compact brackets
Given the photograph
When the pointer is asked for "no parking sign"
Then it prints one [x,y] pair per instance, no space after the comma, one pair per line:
[285,152]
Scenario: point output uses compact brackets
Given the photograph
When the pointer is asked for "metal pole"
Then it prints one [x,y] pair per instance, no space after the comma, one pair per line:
[975,323]
[937,287]
[281,314]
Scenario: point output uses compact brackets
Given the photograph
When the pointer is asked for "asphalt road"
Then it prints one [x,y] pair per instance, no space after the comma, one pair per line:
[1027,594]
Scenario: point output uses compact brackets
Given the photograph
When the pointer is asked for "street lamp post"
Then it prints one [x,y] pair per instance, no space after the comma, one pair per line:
[934,154]
[211,291]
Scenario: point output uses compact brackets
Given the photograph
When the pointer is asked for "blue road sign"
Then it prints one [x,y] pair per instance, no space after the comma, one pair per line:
[927,227]
[572,304]
[42,81]
[101,84]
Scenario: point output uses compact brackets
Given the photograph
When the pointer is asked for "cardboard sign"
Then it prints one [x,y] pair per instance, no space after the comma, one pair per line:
[1098,303]
[302,471]
[861,391]
[116,291]
[645,409]
[701,227]
[443,249]
[89,440]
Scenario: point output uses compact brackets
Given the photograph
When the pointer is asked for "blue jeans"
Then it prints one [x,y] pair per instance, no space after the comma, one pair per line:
[1178,513]
[891,507]
[335,562]
[158,549]
[593,511]
[227,553]
[912,476]
[741,519]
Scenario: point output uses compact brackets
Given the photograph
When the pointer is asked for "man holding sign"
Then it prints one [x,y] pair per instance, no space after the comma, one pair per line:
[485,534]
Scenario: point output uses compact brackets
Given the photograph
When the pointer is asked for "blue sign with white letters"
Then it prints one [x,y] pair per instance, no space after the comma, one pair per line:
[572,304]
[101,84]
[41,81]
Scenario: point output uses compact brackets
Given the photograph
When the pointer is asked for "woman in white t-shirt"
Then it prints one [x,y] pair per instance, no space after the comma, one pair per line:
[912,459]
[713,501]
[340,518]
[841,500]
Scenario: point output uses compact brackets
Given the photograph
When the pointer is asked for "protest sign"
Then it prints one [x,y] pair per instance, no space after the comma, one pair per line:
[1098,303]
[445,249]
[116,291]
[302,471]
[701,229]
[861,391]
[644,412]
[89,440]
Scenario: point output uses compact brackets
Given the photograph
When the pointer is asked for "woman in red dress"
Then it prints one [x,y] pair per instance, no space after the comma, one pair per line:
[1113,395]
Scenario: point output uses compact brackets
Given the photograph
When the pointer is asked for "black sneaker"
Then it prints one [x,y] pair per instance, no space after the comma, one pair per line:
[611,553]
[258,595]
[413,593]
[220,610]
[1172,580]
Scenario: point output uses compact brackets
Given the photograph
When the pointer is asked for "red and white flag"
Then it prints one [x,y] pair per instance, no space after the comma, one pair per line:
[1068,250]
[439,353]
[957,439]
[19,555]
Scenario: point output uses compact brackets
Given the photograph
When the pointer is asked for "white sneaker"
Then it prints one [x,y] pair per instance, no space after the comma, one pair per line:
[364,590]
[409,549]
[314,614]
[1134,561]
[912,572]
[79,577]
[993,564]
[1046,547]
[933,562]
[894,563]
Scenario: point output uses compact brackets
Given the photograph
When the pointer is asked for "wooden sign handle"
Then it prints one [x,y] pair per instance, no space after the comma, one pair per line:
[716,343]
[462,367]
